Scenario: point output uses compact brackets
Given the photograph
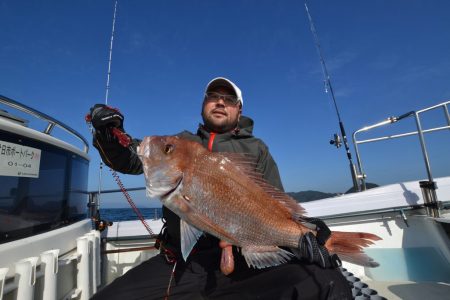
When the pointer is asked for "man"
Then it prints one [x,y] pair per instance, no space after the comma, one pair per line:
[224,130]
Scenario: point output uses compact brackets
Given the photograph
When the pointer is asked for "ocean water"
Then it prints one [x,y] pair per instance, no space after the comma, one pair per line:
[128,214]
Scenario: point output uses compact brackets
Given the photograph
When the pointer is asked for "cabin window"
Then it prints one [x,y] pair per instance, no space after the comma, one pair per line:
[57,198]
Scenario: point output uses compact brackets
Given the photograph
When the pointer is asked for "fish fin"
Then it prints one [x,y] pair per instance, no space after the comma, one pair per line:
[361,259]
[349,246]
[246,164]
[189,237]
[209,226]
[241,159]
[265,256]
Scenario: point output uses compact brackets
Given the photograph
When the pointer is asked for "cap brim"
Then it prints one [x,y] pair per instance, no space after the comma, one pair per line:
[221,81]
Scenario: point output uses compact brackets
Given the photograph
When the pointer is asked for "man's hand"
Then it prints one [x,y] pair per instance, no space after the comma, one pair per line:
[314,252]
[116,148]
[103,116]
[108,124]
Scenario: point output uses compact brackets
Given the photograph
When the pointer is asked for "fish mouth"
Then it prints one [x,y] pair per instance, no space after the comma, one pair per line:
[176,187]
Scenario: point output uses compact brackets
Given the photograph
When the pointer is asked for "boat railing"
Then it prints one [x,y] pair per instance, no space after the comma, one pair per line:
[94,199]
[428,187]
[51,122]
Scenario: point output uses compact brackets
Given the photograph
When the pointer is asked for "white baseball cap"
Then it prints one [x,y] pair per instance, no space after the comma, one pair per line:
[222,81]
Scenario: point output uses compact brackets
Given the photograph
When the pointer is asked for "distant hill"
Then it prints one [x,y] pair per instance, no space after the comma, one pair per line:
[369,185]
[306,196]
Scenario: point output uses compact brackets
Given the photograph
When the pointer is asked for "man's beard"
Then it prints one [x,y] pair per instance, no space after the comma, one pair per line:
[223,127]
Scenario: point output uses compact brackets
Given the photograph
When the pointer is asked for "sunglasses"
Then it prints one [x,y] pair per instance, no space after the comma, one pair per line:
[230,100]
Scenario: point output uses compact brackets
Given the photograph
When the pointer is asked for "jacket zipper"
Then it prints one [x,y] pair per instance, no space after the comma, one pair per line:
[212,136]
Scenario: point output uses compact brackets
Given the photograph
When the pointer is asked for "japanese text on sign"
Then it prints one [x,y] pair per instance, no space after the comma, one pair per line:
[19,160]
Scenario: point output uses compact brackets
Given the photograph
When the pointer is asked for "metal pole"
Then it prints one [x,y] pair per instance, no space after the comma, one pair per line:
[99,195]
[430,198]
[424,149]
[49,128]
[428,187]
[358,160]
[447,115]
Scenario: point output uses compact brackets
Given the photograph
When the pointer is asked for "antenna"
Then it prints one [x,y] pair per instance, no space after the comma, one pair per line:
[328,87]
[110,54]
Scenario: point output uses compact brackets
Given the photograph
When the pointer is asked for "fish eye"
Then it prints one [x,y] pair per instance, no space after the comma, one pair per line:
[168,148]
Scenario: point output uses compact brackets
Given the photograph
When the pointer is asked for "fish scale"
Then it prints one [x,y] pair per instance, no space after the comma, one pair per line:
[235,207]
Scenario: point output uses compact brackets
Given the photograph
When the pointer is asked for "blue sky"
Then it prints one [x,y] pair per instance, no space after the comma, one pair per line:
[385,58]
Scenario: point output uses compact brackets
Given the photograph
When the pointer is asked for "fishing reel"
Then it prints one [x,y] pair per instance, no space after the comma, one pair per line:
[101,225]
[98,223]
[336,141]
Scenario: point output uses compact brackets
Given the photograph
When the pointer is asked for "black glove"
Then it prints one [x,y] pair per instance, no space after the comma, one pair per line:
[108,123]
[313,252]
[111,140]
[322,231]
[103,116]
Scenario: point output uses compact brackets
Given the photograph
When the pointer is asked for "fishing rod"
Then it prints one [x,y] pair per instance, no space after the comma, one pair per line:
[123,140]
[122,137]
[328,87]
[110,54]
[108,76]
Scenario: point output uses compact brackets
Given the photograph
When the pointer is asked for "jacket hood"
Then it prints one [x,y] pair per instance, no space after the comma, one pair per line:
[245,126]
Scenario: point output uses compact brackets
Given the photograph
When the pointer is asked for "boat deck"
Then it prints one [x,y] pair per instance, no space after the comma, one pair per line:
[400,290]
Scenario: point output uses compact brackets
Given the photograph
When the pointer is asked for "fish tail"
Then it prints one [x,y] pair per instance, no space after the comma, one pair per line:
[349,246]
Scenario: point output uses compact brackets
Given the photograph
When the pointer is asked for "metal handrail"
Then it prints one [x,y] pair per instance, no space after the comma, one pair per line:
[361,176]
[40,115]
[399,209]
[141,188]
[433,206]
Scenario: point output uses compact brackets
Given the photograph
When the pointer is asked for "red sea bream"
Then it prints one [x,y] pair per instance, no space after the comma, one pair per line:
[223,195]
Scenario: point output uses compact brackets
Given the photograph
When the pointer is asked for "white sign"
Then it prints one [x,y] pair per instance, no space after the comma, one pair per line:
[18,160]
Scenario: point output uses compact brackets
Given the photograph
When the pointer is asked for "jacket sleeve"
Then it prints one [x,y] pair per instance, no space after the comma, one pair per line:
[117,157]
[269,168]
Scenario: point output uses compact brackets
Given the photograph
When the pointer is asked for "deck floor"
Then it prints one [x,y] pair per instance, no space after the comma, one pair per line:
[410,290]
